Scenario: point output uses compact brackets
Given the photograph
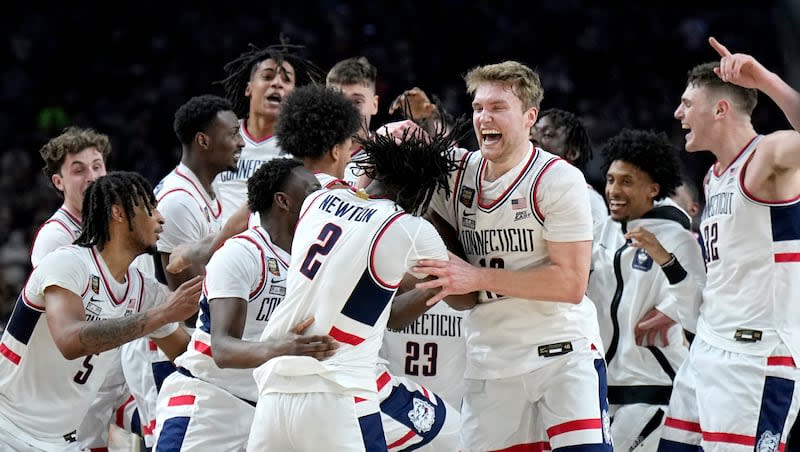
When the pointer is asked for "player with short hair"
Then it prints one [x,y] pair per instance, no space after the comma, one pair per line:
[644,294]
[245,282]
[80,302]
[738,388]
[523,218]
[256,83]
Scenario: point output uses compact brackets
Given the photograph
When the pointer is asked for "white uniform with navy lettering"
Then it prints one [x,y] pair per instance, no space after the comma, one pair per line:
[43,396]
[504,224]
[231,186]
[193,400]
[349,255]
[625,284]
[748,334]
[59,230]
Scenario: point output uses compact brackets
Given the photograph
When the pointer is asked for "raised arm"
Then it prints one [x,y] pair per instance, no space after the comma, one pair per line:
[744,70]
[75,336]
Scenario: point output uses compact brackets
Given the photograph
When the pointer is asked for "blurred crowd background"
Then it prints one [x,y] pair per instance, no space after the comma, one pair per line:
[123,69]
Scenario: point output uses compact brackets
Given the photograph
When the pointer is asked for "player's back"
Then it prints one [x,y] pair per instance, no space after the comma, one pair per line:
[348,257]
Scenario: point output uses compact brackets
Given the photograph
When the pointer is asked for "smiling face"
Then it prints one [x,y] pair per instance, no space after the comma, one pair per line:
[629,191]
[696,114]
[225,143]
[268,86]
[77,172]
[501,123]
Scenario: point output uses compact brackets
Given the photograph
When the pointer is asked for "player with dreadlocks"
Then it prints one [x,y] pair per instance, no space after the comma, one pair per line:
[563,134]
[377,237]
[80,302]
[257,82]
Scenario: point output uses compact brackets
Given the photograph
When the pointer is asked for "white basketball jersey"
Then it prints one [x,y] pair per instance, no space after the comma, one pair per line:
[753,260]
[351,171]
[504,224]
[231,186]
[59,230]
[430,351]
[348,257]
[250,267]
[43,395]
[189,213]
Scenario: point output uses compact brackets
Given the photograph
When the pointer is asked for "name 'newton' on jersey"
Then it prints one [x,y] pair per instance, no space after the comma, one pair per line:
[348,257]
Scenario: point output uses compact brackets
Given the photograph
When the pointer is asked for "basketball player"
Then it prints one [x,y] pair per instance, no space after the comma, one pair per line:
[73,160]
[355,78]
[639,288]
[257,82]
[316,125]
[80,302]
[522,215]
[377,240]
[738,389]
[245,282]
[563,134]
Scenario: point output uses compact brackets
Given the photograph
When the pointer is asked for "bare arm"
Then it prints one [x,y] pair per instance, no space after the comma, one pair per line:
[75,336]
[197,254]
[564,279]
[174,344]
[230,351]
[411,304]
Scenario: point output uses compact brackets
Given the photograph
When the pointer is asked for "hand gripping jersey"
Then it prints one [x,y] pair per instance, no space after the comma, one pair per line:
[504,224]
[43,396]
[59,230]
[348,257]
[189,213]
[753,260]
[248,266]
[231,186]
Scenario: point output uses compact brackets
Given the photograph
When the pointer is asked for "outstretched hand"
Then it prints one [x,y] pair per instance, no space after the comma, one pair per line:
[738,68]
[413,104]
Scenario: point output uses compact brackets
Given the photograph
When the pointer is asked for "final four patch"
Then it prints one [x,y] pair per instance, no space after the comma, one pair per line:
[96,284]
[272,266]
[467,196]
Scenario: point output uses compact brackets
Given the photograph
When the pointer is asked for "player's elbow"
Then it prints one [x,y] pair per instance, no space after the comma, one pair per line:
[70,350]
[574,291]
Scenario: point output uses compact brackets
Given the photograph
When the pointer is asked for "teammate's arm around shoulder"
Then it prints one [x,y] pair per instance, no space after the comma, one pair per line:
[75,336]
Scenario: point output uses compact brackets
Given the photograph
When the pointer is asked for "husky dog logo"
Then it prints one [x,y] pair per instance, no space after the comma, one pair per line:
[642,261]
[768,442]
[422,415]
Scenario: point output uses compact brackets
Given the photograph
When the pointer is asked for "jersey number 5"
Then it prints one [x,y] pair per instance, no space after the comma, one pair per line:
[327,237]
[83,375]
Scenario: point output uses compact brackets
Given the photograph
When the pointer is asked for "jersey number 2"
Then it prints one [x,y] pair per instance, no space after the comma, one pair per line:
[327,237]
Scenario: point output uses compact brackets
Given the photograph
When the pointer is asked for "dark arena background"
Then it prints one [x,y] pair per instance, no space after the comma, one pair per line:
[124,68]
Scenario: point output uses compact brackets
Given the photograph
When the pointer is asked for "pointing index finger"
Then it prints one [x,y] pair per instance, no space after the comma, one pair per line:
[721,49]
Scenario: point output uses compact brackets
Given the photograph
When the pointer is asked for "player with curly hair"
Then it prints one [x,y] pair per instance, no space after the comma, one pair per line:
[377,238]
[645,295]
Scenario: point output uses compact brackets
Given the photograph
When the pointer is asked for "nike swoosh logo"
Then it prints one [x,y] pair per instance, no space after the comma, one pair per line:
[276,281]
[469,214]
[96,300]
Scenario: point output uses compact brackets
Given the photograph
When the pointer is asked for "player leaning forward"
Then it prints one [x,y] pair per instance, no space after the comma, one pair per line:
[80,302]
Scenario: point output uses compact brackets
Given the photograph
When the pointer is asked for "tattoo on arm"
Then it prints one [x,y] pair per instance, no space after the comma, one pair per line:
[102,335]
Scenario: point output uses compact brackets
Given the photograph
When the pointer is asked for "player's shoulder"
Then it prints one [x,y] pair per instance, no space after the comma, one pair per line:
[68,257]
